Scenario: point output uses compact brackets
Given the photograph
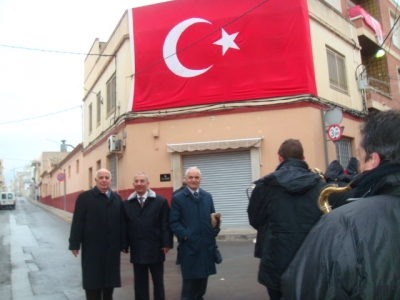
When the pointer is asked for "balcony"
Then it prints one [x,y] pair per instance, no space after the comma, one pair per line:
[369,30]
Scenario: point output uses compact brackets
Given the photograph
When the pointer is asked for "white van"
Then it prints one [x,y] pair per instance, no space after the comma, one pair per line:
[7,200]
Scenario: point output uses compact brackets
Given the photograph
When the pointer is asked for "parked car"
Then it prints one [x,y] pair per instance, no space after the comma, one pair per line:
[8,199]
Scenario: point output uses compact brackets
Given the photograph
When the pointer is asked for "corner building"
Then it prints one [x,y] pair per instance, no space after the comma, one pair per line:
[184,83]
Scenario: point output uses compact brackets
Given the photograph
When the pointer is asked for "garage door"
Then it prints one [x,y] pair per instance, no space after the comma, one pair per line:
[226,176]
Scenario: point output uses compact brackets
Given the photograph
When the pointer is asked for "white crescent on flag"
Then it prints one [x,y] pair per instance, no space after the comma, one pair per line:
[169,49]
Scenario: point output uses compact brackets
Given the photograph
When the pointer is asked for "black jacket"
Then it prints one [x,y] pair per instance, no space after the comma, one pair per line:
[334,174]
[96,227]
[146,230]
[353,252]
[288,208]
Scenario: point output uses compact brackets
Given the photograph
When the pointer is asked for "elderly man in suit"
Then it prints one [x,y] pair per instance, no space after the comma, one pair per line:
[191,223]
[148,236]
[96,227]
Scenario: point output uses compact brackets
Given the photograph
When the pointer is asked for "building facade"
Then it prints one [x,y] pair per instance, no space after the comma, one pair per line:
[233,142]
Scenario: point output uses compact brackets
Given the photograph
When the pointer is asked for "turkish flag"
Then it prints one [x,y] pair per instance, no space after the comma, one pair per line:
[194,52]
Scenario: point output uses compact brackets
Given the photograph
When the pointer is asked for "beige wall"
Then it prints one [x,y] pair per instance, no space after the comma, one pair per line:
[144,152]
[329,29]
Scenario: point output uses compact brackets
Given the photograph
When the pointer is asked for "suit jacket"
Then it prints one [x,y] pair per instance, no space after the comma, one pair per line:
[146,229]
[191,218]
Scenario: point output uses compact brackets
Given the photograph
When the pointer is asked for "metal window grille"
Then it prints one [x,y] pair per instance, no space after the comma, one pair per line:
[113,170]
[343,151]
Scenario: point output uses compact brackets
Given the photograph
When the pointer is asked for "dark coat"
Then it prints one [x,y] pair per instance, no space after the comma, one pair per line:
[191,218]
[147,229]
[96,227]
[288,209]
[352,252]
[334,174]
[352,168]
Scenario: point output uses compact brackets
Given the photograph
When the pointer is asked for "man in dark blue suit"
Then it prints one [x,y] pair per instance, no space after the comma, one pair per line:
[190,221]
[147,234]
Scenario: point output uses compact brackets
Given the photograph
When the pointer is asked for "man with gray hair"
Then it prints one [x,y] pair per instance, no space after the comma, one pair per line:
[353,251]
[190,220]
[148,236]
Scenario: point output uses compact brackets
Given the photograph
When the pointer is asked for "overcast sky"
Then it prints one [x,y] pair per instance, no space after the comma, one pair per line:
[37,83]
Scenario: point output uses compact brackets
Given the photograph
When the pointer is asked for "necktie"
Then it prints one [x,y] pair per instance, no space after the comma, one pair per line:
[196,195]
[141,201]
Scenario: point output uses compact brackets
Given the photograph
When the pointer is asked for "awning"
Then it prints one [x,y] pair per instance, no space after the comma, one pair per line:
[215,145]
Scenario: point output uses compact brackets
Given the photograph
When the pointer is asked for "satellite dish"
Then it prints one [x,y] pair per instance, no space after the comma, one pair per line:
[333,116]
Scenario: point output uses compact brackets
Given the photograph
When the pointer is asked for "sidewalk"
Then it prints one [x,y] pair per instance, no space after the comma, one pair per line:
[224,235]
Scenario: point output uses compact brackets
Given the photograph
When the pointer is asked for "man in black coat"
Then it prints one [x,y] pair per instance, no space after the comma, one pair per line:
[353,251]
[148,236]
[96,226]
[284,204]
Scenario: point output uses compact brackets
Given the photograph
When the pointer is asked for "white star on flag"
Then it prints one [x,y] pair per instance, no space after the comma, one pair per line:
[227,41]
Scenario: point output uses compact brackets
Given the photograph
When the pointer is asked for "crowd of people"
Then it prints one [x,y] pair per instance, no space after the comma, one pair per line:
[349,253]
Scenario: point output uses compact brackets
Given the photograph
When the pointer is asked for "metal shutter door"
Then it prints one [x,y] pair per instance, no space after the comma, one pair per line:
[226,176]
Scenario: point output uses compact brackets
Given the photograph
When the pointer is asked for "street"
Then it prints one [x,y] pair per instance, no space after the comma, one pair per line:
[35,263]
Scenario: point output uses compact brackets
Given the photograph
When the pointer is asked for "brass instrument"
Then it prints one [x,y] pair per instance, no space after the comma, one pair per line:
[319,172]
[323,202]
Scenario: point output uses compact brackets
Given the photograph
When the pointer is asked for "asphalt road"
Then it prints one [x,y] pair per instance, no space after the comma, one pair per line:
[35,263]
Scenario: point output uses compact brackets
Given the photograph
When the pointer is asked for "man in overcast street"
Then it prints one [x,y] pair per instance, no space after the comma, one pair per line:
[96,227]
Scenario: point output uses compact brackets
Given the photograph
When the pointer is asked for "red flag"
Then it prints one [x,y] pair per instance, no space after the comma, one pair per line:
[192,52]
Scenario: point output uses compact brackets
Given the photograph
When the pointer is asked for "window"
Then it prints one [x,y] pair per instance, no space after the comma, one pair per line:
[69,171]
[337,70]
[113,170]
[77,166]
[90,174]
[111,94]
[395,32]
[343,151]
[90,117]
[98,163]
[98,112]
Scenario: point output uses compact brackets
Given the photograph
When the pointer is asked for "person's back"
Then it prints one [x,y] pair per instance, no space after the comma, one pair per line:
[286,207]
[353,251]
[292,193]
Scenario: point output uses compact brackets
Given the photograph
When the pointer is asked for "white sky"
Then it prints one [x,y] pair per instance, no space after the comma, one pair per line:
[35,83]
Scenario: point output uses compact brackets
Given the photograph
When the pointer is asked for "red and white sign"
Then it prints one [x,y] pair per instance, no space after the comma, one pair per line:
[60,176]
[334,132]
[192,52]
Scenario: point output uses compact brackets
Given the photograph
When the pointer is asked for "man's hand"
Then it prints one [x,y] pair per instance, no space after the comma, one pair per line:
[165,249]
[125,250]
[75,252]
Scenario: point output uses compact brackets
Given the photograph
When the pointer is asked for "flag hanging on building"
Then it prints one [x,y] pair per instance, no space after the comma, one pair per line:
[192,52]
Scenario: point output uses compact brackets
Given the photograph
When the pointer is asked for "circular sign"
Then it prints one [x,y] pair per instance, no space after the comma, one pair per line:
[333,116]
[60,176]
[335,132]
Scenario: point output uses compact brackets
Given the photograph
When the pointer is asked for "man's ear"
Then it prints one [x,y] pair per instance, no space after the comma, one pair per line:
[375,160]
[280,159]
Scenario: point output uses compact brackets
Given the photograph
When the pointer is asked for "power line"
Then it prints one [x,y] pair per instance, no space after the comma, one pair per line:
[53,51]
[157,62]
[38,117]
